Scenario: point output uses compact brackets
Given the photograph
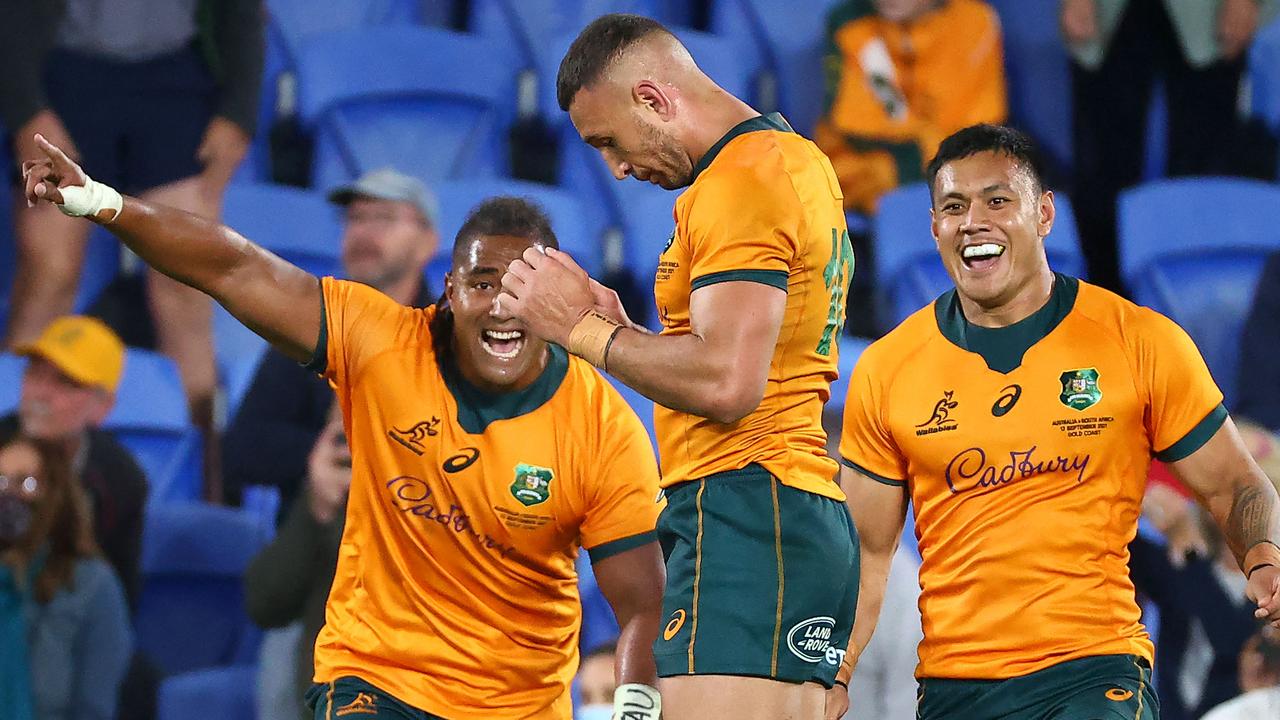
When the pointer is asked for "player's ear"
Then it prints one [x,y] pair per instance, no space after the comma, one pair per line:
[1047,212]
[655,97]
[933,228]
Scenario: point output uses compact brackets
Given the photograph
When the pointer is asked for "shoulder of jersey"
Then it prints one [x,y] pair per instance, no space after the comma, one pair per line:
[1109,309]
[758,155]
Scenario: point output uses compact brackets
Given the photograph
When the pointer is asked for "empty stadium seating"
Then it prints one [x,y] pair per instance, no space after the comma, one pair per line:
[151,419]
[11,367]
[215,694]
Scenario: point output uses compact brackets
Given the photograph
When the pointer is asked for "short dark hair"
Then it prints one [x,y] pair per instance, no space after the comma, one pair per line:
[988,138]
[597,46]
[506,215]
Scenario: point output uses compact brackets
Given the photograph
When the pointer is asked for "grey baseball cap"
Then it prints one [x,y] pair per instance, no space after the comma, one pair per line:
[389,184]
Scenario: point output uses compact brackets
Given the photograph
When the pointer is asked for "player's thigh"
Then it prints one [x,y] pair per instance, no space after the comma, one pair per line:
[729,697]
[350,697]
[761,580]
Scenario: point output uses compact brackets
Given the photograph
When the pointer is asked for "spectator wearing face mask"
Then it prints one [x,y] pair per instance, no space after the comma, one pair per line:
[65,639]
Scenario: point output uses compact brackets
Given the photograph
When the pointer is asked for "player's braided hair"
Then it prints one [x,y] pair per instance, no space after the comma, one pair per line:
[597,46]
[989,138]
[513,216]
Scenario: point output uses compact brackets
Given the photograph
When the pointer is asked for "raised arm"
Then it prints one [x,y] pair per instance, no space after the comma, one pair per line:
[878,511]
[1231,486]
[273,298]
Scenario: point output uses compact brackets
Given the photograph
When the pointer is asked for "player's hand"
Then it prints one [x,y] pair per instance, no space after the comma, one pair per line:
[51,170]
[608,303]
[1237,22]
[46,123]
[1080,20]
[548,292]
[328,473]
[223,147]
[837,703]
[1264,589]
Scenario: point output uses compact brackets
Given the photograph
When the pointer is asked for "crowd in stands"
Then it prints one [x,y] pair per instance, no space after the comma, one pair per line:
[184,102]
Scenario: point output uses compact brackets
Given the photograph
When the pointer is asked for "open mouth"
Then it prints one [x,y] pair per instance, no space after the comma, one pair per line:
[502,344]
[981,257]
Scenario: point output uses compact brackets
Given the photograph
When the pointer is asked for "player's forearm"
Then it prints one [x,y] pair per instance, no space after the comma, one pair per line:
[684,373]
[873,579]
[635,663]
[1247,510]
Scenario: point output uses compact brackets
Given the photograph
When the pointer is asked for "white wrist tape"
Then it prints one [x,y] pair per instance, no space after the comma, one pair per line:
[634,701]
[93,200]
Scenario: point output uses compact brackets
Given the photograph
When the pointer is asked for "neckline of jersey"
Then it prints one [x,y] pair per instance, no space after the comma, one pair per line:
[478,408]
[770,121]
[1003,348]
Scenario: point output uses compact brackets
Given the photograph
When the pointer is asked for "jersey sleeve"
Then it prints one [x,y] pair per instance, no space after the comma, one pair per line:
[358,323]
[866,444]
[622,494]
[743,227]
[1184,405]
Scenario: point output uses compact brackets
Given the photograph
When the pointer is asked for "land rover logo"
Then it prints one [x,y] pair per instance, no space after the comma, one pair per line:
[809,639]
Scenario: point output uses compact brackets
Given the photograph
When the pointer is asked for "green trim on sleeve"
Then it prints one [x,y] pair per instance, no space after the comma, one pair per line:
[319,361]
[874,476]
[621,545]
[772,278]
[1196,437]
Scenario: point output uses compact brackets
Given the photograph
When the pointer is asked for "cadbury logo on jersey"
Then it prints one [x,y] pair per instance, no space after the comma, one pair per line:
[969,469]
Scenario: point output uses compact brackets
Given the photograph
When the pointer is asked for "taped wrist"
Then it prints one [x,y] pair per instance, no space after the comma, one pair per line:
[94,200]
[591,337]
[635,701]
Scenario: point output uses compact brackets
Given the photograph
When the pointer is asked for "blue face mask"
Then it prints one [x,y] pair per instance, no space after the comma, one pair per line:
[594,712]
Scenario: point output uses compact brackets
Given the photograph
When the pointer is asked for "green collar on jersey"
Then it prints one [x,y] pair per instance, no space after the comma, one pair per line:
[477,408]
[1002,348]
[772,121]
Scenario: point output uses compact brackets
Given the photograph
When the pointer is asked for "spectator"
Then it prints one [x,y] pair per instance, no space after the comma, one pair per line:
[902,75]
[596,684]
[883,686]
[1205,616]
[1119,49]
[389,237]
[1259,681]
[67,390]
[161,97]
[66,636]
[1259,383]
[288,582]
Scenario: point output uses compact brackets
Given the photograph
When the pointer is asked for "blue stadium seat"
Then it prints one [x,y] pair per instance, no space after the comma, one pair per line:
[907,262]
[792,43]
[1264,75]
[525,25]
[566,210]
[190,613]
[1037,70]
[225,693]
[851,348]
[100,268]
[1193,249]
[647,224]
[298,225]
[11,369]
[424,98]
[151,419]
[296,20]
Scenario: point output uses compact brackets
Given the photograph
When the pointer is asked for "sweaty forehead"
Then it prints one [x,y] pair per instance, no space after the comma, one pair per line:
[487,252]
[982,173]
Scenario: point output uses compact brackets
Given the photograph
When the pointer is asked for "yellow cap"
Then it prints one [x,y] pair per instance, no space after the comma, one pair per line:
[83,348]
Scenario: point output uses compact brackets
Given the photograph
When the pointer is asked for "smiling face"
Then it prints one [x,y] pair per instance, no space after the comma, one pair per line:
[493,350]
[632,129]
[990,219]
